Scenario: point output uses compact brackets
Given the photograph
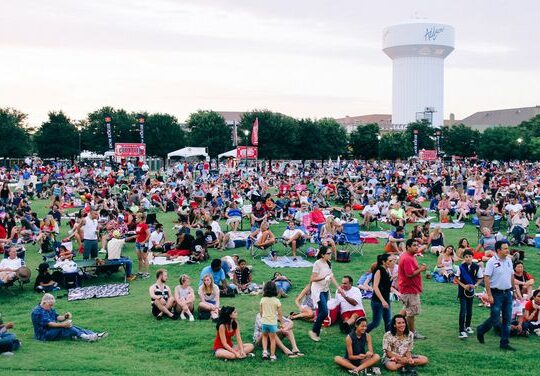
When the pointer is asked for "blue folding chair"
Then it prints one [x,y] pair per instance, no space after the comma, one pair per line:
[352,238]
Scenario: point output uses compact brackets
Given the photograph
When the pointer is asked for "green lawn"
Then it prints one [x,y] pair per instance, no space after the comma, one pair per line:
[140,345]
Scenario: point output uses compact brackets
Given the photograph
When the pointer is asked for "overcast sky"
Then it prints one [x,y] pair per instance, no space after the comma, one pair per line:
[305,58]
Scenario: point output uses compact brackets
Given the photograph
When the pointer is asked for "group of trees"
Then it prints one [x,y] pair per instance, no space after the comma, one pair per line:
[280,136]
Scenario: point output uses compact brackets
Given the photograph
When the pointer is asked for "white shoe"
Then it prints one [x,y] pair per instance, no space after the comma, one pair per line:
[469,330]
[314,336]
[182,316]
[463,335]
[191,318]
[7,353]
[102,250]
[537,331]
[89,337]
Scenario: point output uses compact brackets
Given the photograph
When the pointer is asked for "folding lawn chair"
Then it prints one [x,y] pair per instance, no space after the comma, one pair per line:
[352,238]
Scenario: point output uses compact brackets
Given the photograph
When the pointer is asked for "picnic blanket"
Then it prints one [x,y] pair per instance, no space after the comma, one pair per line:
[449,225]
[287,262]
[159,260]
[424,220]
[374,234]
[103,291]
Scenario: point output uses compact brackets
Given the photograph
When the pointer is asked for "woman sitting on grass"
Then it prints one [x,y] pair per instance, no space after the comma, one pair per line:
[185,297]
[398,345]
[283,284]
[356,357]
[226,328]
[305,304]
[445,264]
[209,295]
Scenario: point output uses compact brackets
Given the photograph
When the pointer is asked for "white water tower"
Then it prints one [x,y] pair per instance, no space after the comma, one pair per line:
[418,49]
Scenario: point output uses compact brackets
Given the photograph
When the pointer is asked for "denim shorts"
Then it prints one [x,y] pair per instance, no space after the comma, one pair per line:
[141,247]
[267,328]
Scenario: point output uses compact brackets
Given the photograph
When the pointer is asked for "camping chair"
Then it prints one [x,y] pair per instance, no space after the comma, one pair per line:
[299,244]
[495,227]
[352,238]
[21,253]
[246,213]
[254,249]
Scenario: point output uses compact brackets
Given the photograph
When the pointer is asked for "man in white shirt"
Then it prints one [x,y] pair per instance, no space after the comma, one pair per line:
[513,207]
[157,238]
[370,212]
[114,252]
[9,266]
[350,302]
[293,237]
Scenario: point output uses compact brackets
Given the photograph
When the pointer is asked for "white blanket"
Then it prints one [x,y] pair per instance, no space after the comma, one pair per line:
[287,262]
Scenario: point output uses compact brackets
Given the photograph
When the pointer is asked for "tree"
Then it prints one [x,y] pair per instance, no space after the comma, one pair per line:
[364,141]
[425,137]
[334,139]
[57,137]
[15,140]
[391,146]
[277,133]
[208,129]
[500,143]
[307,140]
[94,133]
[163,134]
[459,139]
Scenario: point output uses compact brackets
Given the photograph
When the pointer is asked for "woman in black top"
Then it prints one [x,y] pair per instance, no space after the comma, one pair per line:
[356,357]
[382,283]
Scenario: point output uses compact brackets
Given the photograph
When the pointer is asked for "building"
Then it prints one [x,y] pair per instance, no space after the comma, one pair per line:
[509,117]
[351,122]
[418,48]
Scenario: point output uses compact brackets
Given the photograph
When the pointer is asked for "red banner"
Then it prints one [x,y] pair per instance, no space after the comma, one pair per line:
[428,155]
[130,150]
[246,152]
[255,133]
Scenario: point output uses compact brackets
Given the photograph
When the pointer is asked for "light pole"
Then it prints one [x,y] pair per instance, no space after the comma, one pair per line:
[519,141]
[246,133]
[379,137]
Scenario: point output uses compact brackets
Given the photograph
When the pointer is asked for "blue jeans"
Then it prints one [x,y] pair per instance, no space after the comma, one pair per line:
[128,264]
[322,312]
[465,312]
[54,334]
[90,249]
[502,304]
[285,286]
[8,342]
[380,312]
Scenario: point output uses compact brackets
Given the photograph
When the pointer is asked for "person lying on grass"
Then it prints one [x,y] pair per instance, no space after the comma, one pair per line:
[227,327]
[356,357]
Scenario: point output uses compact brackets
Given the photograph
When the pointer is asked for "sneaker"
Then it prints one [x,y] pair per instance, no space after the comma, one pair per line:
[139,274]
[463,335]
[7,353]
[182,316]
[102,335]
[146,276]
[376,370]
[89,337]
[102,250]
[273,358]
[131,278]
[419,336]
[537,331]
[314,336]
[469,330]
[191,318]
[265,355]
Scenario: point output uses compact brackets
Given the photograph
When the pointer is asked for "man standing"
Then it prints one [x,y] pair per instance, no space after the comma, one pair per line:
[499,281]
[89,226]
[410,284]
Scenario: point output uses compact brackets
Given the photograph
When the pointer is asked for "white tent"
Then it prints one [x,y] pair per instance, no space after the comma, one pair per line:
[228,154]
[188,152]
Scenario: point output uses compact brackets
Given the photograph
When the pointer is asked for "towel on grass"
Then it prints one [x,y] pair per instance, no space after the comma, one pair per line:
[287,262]
[103,291]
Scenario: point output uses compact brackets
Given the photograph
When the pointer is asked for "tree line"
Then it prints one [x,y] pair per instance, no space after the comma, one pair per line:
[280,136]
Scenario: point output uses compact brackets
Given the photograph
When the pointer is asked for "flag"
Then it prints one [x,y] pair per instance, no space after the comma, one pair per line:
[255,133]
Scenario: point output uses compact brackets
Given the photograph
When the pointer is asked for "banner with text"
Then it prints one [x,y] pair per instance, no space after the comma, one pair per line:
[255,133]
[246,152]
[129,150]
[428,155]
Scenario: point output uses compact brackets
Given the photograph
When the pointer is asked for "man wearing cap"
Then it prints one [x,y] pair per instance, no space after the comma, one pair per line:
[499,281]
[9,266]
[114,252]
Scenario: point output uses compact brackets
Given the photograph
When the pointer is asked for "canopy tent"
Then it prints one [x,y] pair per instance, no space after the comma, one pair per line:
[189,152]
[228,154]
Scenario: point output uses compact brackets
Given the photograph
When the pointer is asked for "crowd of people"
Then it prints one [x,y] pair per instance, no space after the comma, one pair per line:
[107,206]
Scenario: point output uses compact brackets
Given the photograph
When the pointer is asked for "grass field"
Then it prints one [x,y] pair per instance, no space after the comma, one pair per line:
[140,345]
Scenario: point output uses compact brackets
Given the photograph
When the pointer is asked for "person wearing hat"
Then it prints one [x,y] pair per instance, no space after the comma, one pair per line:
[114,252]
[9,267]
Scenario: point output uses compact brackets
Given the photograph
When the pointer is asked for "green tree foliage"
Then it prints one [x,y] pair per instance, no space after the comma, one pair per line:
[425,137]
[364,141]
[163,134]
[392,146]
[94,133]
[459,140]
[334,139]
[15,140]
[208,129]
[308,139]
[277,134]
[57,137]
[501,143]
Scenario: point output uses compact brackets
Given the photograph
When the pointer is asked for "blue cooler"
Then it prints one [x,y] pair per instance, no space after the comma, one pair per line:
[537,241]
[475,221]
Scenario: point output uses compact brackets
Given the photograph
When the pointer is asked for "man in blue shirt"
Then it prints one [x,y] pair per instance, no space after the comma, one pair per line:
[217,273]
[499,281]
[49,326]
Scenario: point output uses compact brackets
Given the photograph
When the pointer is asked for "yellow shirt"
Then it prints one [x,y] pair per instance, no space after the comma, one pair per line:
[269,310]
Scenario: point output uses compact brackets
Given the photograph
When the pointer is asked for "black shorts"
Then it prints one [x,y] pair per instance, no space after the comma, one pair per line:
[155,310]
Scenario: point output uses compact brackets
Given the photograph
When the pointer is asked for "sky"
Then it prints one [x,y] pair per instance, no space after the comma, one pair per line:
[304,58]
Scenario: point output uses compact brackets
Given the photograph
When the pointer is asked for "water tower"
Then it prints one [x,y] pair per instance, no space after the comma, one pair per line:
[418,49]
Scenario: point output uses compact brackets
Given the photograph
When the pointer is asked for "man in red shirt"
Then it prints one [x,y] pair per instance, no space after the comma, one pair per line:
[410,283]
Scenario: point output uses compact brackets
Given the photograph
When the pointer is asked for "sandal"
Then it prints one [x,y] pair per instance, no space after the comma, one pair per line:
[292,355]
[273,358]
[353,372]
[298,353]
[265,355]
